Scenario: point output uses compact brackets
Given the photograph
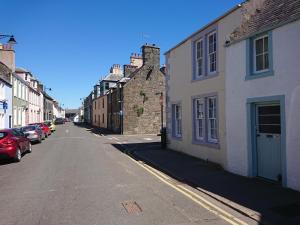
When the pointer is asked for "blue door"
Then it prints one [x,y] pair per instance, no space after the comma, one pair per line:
[268,141]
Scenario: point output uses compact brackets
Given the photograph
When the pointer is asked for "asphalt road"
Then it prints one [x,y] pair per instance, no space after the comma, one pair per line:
[78,178]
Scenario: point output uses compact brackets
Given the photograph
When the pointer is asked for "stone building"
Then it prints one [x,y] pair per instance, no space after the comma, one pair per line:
[135,100]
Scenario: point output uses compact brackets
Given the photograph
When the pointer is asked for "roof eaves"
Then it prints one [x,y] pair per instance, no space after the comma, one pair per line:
[262,31]
[205,27]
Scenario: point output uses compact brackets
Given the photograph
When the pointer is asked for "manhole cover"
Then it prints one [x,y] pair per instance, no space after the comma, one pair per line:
[291,210]
[131,207]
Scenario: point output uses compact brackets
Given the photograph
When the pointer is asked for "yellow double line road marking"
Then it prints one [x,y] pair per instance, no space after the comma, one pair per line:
[191,195]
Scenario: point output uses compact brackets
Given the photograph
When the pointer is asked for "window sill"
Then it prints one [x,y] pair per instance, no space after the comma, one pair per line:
[206,144]
[177,138]
[204,77]
[260,75]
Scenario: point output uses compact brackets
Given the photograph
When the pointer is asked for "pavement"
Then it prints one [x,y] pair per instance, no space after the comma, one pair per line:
[79,177]
[260,200]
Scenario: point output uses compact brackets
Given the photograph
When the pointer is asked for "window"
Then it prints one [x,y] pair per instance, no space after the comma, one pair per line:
[205,129]
[176,116]
[261,54]
[199,123]
[212,52]
[212,119]
[95,105]
[103,103]
[199,58]
[106,86]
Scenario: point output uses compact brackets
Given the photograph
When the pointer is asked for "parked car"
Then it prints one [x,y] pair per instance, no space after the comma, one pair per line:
[46,130]
[33,132]
[13,143]
[51,125]
[59,121]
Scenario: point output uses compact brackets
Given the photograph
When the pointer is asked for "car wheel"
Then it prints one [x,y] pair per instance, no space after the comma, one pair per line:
[18,155]
[29,148]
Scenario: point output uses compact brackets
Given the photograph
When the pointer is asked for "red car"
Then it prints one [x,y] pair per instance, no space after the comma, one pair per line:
[13,143]
[46,130]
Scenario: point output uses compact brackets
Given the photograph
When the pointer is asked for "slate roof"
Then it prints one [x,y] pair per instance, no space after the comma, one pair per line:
[113,77]
[47,96]
[272,14]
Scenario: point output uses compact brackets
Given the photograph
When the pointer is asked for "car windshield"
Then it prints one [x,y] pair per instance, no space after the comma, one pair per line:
[3,135]
[28,128]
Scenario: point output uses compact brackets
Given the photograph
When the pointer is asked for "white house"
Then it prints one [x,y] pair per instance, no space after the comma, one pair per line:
[263,94]
[5,97]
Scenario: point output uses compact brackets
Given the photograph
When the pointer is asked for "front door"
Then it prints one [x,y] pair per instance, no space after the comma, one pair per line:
[268,141]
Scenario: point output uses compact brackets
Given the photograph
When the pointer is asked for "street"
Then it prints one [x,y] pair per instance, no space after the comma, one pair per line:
[78,177]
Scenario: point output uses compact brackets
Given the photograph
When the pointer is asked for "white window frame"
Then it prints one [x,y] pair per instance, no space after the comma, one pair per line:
[199,57]
[263,54]
[177,120]
[212,53]
[199,116]
[212,117]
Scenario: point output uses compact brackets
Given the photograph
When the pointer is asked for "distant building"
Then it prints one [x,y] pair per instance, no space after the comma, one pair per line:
[5,96]
[100,111]
[48,107]
[20,98]
[88,109]
[7,68]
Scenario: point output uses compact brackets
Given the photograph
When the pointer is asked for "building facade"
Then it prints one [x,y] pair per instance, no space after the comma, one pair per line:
[48,107]
[140,95]
[5,96]
[100,111]
[20,98]
[196,90]
[263,94]
[88,109]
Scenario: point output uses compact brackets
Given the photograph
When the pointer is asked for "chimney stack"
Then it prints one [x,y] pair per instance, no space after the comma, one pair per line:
[151,55]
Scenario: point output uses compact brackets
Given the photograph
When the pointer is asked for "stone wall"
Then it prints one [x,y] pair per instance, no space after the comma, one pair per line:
[141,95]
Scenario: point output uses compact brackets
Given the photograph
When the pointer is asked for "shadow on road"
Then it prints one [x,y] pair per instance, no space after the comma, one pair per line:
[271,203]
[95,130]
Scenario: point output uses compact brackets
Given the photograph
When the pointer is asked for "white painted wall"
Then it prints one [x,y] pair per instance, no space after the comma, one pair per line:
[286,81]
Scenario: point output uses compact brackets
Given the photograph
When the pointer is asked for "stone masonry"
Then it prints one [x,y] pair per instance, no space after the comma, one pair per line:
[141,95]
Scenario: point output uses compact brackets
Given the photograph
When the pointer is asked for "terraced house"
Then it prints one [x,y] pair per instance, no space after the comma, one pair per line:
[20,98]
[196,90]
[263,94]
[5,96]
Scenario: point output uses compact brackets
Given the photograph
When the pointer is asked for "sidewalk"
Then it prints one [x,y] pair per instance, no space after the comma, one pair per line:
[265,202]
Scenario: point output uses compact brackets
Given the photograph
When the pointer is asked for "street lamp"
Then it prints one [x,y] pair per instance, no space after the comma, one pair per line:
[49,89]
[11,39]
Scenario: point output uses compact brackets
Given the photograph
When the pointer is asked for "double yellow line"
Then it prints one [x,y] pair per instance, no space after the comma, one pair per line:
[191,195]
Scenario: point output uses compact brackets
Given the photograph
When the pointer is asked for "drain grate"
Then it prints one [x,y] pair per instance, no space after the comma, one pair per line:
[291,210]
[131,207]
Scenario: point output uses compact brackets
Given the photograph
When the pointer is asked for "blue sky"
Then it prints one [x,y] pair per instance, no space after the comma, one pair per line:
[70,44]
